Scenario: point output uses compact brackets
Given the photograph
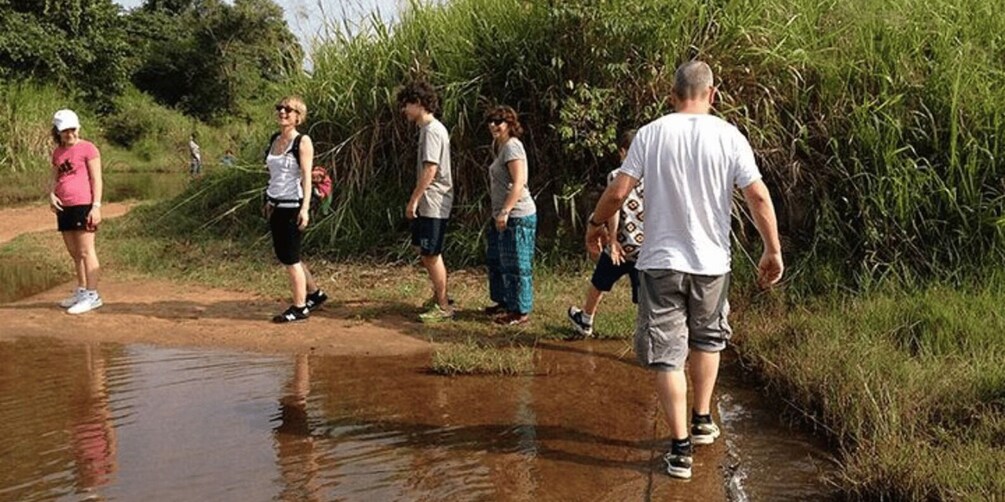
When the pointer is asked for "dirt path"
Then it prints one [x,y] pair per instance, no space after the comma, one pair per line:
[38,218]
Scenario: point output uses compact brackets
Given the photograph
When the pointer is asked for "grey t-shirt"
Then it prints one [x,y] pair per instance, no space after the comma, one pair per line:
[434,147]
[500,181]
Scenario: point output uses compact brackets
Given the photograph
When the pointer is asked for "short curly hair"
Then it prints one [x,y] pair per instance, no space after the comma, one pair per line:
[508,114]
[420,92]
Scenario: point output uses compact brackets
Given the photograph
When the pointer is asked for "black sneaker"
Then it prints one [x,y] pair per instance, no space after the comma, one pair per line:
[292,314]
[583,329]
[678,464]
[703,429]
[679,458]
[316,300]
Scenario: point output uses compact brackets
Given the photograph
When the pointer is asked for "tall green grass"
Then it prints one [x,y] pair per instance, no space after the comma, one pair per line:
[875,123]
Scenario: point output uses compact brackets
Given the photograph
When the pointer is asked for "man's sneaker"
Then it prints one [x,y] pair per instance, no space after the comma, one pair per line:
[678,465]
[315,300]
[72,300]
[87,303]
[436,314]
[292,314]
[703,431]
[583,328]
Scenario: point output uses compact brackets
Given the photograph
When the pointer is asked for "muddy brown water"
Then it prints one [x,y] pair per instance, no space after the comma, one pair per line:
[143,422]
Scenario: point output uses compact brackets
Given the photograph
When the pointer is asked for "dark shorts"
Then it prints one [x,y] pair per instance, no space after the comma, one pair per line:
[73,218]
[286,236]
[606,273]
[427,235]
[679,312]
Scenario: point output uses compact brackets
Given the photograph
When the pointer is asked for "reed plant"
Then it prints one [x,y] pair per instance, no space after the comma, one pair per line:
[876,124]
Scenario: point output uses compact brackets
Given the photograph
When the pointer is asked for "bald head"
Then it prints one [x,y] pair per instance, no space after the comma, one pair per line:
[692,80]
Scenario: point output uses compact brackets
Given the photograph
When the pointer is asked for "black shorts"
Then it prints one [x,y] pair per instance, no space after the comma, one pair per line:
[427,235]
[73,218]
[607,273]
[286,235]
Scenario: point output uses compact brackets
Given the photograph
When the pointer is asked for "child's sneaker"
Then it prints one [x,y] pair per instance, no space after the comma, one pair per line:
[436,314]
[315,300]
[292,314]
[89,301]
[432,302]
[703,429]
[74,298]
[583,328]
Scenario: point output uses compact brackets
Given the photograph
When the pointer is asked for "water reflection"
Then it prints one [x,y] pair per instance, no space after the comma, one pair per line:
[140,422]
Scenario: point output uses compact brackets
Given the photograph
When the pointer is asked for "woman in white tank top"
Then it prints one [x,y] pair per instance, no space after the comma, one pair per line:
[289,160]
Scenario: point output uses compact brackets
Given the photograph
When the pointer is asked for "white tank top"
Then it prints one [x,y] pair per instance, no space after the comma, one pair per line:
[284,175]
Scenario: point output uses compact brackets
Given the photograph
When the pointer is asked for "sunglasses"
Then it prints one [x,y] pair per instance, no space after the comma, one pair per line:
[496,121]
[287,109]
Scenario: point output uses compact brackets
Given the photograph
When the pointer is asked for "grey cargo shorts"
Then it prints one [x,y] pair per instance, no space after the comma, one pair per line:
[678,311]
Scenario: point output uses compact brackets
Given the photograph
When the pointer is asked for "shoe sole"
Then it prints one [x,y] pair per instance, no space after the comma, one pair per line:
[679,473]
[704,439]
[93,307]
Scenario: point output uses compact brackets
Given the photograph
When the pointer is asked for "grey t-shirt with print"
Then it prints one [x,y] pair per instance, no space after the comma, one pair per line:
[500,181]
[434,147]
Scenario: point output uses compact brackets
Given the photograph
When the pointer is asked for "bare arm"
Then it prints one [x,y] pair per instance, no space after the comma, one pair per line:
[607,207]
[758,200]
[97,190]
[518,173]
[306,166]
[426,177]
[54,202]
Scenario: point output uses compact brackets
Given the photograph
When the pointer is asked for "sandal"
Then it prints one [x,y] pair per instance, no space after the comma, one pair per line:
[512,319]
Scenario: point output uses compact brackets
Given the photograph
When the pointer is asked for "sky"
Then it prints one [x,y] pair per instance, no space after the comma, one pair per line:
[304,16]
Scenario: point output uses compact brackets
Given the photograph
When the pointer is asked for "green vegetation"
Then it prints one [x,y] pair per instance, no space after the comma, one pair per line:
[474,358]
[912,384]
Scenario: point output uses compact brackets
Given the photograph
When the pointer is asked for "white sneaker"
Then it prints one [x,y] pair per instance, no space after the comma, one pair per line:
[87,303]
[73,299]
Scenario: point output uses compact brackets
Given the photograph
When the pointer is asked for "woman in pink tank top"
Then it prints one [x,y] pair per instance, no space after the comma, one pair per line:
[75,197]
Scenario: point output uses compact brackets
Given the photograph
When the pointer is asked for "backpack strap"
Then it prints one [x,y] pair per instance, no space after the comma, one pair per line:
[295,149]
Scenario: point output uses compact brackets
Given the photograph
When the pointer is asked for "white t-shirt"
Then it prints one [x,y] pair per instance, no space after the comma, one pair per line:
[691,164]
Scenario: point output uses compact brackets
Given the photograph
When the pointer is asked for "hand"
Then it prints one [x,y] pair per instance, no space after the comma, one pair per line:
[55,204]
[303,219]
[769,270]
[501,220]
[617,254]
[267,210]
[94,218]
[410,210]
[596,239]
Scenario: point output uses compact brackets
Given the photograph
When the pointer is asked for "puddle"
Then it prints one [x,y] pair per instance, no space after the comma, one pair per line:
[135,422]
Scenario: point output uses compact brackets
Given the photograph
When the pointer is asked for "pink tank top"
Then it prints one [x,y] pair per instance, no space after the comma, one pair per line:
[73,181]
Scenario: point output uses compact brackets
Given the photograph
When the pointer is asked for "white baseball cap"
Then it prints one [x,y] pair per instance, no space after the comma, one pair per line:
[65,119]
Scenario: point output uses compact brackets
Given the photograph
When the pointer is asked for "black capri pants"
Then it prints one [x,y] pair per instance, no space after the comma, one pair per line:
[286,234]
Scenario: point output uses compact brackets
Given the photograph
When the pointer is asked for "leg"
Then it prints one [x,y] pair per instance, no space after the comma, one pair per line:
[704,369]
[671,386]
[89,259]
[492,262]
[311,284]
[438,276]
[298,284]
[593,297]
[70,240]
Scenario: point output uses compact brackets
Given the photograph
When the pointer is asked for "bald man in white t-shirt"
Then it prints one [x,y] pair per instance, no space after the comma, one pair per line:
[691,162]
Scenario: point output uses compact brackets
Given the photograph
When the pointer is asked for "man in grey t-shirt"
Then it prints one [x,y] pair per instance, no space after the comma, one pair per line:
[692,162]
[429,206]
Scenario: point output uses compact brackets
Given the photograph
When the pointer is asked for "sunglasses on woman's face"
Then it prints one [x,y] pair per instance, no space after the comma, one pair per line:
[496,121]
[287,109]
